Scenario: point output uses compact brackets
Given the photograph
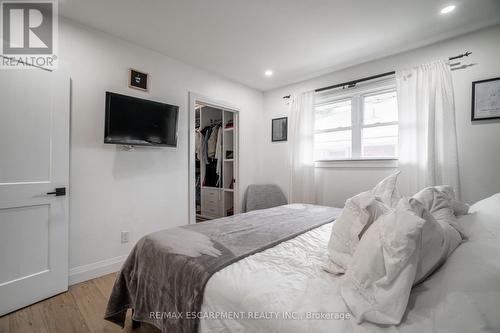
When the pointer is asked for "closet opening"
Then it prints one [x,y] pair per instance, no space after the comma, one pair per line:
[214,187]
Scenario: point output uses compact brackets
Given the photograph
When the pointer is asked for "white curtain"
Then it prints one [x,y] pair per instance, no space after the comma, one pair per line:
[301,149]
[427,131]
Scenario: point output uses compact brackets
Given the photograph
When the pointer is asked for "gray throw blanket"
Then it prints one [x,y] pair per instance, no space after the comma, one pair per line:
[164,277]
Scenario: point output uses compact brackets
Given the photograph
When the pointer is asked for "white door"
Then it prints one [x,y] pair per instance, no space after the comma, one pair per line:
[34,160]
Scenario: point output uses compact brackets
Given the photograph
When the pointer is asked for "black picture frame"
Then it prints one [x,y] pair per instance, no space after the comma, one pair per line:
[138,80]
[279,129]
[475,86]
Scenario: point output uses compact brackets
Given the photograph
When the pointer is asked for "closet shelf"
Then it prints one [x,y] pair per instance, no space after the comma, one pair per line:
[228,190]
[228,129]
[229,160]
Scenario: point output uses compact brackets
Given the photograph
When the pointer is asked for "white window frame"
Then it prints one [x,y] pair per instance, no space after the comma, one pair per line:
[356,95]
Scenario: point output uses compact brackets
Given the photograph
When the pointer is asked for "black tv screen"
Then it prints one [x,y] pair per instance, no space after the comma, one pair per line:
[139,122]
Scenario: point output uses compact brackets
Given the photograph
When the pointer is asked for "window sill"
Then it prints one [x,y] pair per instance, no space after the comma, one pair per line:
[361,163]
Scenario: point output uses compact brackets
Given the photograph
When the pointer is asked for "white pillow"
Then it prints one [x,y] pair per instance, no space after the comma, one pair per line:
[439,240]
[399,250]
[358,214]
[387,190]
[377,285]
[438,203]
[459,207]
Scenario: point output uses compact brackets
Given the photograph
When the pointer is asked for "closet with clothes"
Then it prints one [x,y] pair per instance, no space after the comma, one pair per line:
[215,162]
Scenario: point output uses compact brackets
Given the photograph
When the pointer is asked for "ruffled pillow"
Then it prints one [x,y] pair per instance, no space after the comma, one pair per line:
[439,205]
[459,208]
[387,190]
[358,214]
[377,285]
[399,250]
[439,240]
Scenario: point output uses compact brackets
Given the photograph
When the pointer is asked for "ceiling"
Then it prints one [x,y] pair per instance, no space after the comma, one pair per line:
[297,39]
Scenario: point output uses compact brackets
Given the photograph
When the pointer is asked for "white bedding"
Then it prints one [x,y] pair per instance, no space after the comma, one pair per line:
[288,280]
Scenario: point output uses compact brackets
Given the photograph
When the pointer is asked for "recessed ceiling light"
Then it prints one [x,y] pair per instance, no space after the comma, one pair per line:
[268,73]
[448,9]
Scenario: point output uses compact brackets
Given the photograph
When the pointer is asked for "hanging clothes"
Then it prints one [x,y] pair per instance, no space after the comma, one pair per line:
[218,152]
[212,142]
[200,151]
[207,131]
[198,144]
[211,178]
[210,151]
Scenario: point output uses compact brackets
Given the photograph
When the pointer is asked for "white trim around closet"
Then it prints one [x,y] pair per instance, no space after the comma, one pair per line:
[193,99]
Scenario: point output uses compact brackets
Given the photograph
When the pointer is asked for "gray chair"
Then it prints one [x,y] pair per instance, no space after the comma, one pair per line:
[263,196]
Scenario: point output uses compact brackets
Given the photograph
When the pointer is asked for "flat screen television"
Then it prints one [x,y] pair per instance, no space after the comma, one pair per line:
[139,122]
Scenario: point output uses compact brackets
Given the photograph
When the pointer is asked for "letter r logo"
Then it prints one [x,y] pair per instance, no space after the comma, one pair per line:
[27,27]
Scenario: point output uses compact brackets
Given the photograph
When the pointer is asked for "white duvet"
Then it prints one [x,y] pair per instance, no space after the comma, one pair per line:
[285,289]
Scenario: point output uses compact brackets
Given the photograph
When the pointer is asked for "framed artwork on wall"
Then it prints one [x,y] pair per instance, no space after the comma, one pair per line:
[138,80]
[486,99]
[279,129]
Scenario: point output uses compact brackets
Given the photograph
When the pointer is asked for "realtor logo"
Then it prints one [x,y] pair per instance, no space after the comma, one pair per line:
[29,34]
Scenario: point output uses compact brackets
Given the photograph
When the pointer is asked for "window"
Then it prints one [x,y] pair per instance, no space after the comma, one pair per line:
[360,124]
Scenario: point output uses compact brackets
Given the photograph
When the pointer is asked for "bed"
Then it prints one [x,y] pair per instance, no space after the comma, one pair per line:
[284,288]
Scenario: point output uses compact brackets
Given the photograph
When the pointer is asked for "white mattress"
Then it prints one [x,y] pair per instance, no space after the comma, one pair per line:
[288,281]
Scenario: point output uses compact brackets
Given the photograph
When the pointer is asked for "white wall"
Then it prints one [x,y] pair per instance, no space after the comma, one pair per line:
[479,152]
[143,190]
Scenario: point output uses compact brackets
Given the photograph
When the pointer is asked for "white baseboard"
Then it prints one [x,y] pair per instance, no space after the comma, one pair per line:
[95,270]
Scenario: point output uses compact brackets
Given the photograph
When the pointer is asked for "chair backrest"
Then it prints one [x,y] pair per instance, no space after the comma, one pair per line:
[264,196]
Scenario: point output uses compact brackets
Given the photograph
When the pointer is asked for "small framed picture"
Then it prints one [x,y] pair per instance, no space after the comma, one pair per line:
[486,99]
[138,80]
[279,129]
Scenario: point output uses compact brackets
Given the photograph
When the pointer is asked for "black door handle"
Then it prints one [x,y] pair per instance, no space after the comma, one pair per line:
[60,191]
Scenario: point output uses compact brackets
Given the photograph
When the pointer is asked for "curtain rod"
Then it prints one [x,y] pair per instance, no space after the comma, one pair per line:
[353,83]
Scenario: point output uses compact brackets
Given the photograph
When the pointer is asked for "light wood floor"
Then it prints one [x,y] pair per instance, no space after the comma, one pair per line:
[81,309]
